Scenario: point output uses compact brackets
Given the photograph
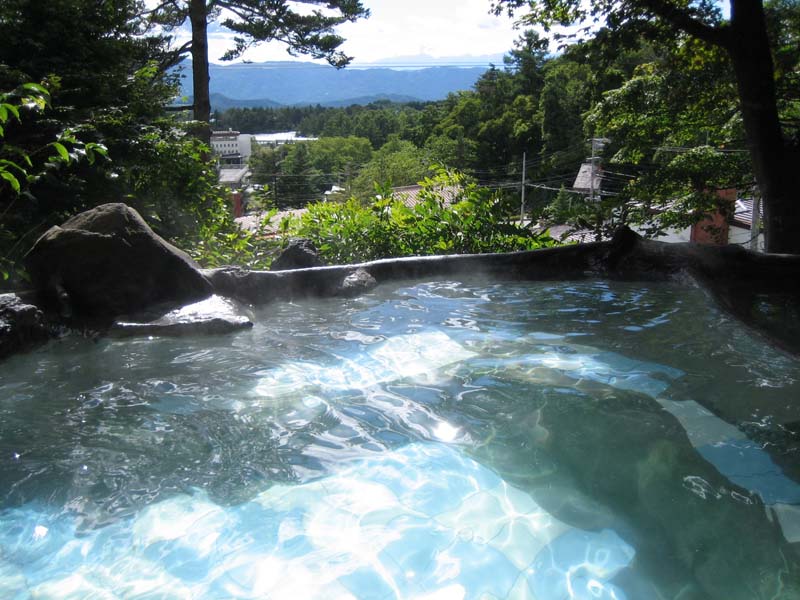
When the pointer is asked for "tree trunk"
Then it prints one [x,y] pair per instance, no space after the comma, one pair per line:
[776,165]
[198,17]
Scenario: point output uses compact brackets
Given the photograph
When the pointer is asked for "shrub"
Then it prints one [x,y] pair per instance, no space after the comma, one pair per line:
[473,223]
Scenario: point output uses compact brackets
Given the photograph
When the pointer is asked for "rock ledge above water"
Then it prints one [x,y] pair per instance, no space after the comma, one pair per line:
[213,315]
[107,262]
[22,325]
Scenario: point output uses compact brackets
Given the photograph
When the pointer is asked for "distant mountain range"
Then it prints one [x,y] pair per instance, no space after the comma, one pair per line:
[302,83]
[222,102]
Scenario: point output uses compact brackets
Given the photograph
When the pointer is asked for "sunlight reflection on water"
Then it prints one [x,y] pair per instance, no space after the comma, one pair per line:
[421,520]
[436,440]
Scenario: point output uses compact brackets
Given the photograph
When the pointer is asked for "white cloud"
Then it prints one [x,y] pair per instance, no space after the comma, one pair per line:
[399,28]
[439,28]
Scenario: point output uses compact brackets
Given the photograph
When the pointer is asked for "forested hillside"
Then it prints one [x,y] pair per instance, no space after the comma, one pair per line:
[664,105]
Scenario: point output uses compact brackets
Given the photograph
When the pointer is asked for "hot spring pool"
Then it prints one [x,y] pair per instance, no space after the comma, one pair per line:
[432,440]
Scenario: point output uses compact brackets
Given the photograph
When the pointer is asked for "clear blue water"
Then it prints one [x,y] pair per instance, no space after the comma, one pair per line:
[432,440]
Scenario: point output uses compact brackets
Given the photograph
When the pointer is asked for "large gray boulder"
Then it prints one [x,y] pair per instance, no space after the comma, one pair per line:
[107,262]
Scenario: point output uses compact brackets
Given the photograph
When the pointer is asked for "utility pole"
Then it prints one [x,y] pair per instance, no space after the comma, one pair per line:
[755,220]
[597,144]
[522,204]
[591,177]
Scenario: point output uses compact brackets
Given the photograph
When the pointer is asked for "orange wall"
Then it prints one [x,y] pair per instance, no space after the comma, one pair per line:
[713,229]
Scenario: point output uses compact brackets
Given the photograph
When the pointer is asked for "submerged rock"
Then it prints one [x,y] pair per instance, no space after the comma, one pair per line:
[728,545]
[210,316]
[107,262]
[22,325]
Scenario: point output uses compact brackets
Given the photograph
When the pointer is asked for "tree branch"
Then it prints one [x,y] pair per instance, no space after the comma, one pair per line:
[244,13]
[173,57]
[161,6]
[683,20]
[185,48]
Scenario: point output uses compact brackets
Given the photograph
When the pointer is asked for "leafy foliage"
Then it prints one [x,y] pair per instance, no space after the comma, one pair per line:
[754,42]
[475,223]
[96,131]
[20,168]
[396,163]
[677,135]
[302,172]
[338,154]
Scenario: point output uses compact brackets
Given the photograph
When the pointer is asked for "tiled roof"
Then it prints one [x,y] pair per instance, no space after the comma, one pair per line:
[566,234]
[231,176]
[583,180]
[410,195]
[743,213]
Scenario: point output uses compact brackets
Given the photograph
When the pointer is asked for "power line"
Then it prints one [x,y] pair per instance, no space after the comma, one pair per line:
[688,148]
[545,187]
[621,174]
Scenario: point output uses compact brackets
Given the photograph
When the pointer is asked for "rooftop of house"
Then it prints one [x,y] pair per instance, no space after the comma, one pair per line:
[224,135]
[409,195]
[566,233]
[583,180]
[743,213]
[232,176]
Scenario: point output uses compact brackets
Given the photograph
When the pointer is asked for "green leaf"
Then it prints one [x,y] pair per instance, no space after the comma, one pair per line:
[6,164]
[35,87]
[62,151]
[13,181]
[6,108]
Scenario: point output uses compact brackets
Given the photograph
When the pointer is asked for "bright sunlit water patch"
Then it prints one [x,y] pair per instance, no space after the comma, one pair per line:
[429,441]
[419,356]
[421,520]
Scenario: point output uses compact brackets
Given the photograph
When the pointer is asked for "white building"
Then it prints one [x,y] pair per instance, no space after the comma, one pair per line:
[278,139]
[225,143]
[232,146]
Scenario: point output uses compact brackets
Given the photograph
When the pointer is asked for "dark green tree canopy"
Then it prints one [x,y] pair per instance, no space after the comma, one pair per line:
[90,48]
[748,41]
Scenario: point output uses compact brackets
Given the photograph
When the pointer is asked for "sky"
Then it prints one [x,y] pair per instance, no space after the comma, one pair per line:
[440,29]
